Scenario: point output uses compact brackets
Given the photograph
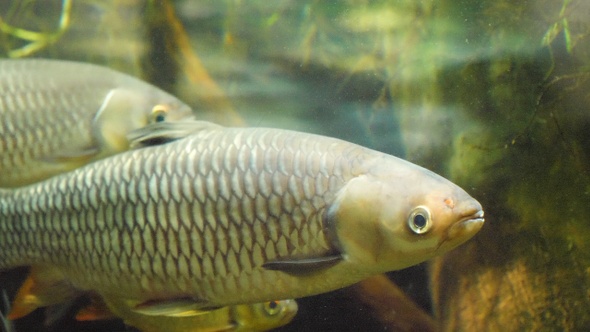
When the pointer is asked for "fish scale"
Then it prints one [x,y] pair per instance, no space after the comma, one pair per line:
[108,197]
[200,217]
[59,115]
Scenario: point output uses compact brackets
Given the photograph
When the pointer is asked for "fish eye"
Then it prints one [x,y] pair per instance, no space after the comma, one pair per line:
[159,113]
[420,220]
[272,308]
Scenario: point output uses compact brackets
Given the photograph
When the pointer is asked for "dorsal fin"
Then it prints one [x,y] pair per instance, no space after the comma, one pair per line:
[165,132]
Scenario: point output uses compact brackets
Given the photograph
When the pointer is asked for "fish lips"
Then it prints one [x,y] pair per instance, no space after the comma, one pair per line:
[463,230]
[291,310]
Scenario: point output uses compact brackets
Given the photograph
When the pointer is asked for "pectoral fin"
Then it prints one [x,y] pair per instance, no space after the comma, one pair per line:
[227,328]
[178,307]
[95,310]
[74,155]
[303,266]
[164,132]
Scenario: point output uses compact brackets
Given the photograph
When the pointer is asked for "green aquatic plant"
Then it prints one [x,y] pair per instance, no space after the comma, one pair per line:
[565,33]
[524,147]
[561,25]
[34,40]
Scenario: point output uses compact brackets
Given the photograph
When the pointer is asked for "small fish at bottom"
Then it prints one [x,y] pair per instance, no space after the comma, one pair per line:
[237,318]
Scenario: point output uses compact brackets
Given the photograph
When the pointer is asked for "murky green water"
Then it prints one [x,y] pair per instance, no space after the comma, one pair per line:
[493,95]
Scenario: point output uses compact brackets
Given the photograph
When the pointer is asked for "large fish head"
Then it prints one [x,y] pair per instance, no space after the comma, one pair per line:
[126,109]
[395,214]
[265,315]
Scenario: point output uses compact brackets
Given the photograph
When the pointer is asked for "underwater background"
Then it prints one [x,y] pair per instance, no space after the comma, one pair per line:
[492,94]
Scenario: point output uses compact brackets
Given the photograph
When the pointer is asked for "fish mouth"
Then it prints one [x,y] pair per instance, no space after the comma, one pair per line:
[291,310]
[466,226]
[463,229]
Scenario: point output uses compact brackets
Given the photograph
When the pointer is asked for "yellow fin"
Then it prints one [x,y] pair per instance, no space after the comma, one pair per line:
[178,307]
[227,328]
[96,310]
[43,287]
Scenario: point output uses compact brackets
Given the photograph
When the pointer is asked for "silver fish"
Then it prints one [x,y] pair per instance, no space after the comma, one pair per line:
[231,215]
[59,115]
[243,317]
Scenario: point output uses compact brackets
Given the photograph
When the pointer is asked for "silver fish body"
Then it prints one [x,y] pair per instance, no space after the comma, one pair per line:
[59,115]
[234,215]
[244,317]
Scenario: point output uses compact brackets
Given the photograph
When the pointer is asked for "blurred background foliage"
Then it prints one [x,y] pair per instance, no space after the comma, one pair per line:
[493,94]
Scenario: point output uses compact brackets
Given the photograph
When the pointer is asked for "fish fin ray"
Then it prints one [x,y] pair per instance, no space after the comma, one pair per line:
[303,266]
